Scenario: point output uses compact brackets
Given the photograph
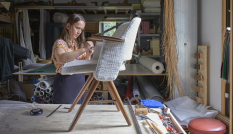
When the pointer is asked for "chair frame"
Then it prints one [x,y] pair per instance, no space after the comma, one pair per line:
[93,85]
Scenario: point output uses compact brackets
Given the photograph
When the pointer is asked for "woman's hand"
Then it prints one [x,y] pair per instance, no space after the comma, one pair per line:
[89,47]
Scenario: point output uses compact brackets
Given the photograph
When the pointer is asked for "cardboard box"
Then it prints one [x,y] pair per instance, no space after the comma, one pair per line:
[154,46]
[152,31]
[28,90]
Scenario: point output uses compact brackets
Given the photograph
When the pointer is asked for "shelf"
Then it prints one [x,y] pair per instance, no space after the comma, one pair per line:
[151,56]
[149,35]
[148,14]
[73,7]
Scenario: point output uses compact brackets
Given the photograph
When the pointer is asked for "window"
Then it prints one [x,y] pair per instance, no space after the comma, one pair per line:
[108,25]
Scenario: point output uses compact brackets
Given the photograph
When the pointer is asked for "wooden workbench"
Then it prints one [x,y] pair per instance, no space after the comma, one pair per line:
[98,119]
[131,69]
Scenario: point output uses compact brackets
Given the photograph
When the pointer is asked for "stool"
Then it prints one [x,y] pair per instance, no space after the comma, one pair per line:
[206,126]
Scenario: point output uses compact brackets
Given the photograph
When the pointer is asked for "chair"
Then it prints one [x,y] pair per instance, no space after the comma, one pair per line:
[108,59]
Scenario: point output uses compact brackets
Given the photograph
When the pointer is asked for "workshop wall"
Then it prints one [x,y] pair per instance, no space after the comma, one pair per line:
[186,32]
[210,34]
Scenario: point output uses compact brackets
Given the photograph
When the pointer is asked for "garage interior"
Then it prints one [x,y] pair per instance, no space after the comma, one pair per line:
[158,66]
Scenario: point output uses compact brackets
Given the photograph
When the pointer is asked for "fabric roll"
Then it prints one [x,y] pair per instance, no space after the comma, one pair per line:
[45,83]
[155,66]
[135,88]
[152,3]
[60,17]
[48,90]
[148,90]
[134,100]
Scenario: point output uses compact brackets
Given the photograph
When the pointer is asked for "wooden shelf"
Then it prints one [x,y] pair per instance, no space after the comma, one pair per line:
[148,14]
[149,35]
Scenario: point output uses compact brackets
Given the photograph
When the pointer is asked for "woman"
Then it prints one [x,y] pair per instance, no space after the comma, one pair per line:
[70,47]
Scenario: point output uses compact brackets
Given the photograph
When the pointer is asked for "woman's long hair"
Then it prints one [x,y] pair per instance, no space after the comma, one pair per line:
[65,33]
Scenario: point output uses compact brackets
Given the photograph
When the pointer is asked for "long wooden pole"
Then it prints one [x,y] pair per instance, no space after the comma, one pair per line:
[231,68]
[223,82]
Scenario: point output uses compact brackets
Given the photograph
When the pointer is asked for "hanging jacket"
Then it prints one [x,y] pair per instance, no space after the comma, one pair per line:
[6,59]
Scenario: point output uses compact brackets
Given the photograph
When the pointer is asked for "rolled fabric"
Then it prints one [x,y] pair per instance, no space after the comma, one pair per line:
[37,94]
[152,3]
[42,93]
[148,90]
[60,17]
[37,89]
[48,90]
[46,83]
[99,95]
[49,94]
[46,99]
[33,98]
[134,100]
[155,66]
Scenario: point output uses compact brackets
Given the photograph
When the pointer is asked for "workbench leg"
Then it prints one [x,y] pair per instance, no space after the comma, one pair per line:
[113,97]
[118,99]
[87,83]
[84,103]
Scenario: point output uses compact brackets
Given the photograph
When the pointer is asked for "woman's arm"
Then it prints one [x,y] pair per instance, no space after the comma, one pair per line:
[64,57]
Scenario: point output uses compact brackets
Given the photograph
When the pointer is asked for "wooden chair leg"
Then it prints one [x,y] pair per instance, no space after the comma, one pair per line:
[113,97]
[118,99]
[84,103]
[87,83]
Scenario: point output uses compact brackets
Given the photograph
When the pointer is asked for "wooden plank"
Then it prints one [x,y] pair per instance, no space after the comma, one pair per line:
[223,82]
[231,68]
[199,89]
[198,55]
[102,119]
[199,77]
[203,82]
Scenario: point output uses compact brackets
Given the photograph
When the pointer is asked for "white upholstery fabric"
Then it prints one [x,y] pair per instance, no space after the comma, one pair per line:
[97,50]
[113,54]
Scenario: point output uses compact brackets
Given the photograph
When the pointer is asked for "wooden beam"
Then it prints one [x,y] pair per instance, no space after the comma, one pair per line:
[105,11]
[95,11]
[223,82]
[84,11]
[231,68]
